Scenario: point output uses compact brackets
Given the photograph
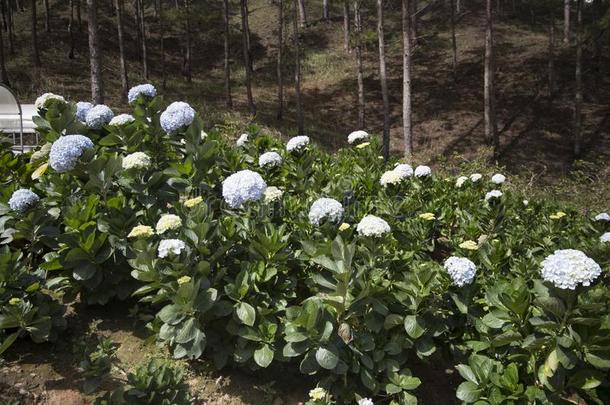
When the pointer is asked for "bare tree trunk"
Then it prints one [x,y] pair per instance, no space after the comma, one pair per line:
[566,21]
[78,16]
[119,22]
[598,46]
[136,17]
[325,13]
[406,80]
[35,54]
[552,58]
[297,73]
[3,74]
[359,63]
[246,52]
[162,43]
[453,42]
[458,6]
[280,62]
[11,29]
[144,44]
[188,52]
[71,31]
[491,131]
[346,30]
[578,77]
[47,17]
[383,81]
[302,13]
[97,88]
[4,5]
[412,13]
[227,66]
[248,42]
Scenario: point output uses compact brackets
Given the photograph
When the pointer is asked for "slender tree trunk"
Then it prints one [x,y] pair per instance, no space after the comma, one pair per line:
[3,75]
[188,52]
[359,63]
[566,21]
[162,44]
[302,14]
[144,44]
[412,13]
[119,22]
[71,31]
[35,54]
[136,17]
[280,62]
[4,5]
[383,81]
[227,65]
[453,42]
[578,77]
[491,131]
[47,17]
[97,88]
[11,29]
[325,13]
[346,29]
[458,6]
[406,80]
[78,16]
[246,52]
[297,73]
[248,42]
[598,46]
[552,58]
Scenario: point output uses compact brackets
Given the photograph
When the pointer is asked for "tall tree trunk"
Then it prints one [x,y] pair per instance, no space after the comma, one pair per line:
[246,52]
[71,31]
[227,65]
[97,87]
[11,29]
[144,44]
[78,16]
[35,54]
[136,17]
[4,5]
[566,21]
[248,42]
[578,77]
[453,42]
[458,6]
[325,13]
[47,17]
[188,52]
[598,46]
[406,80]
[297,73]
[383,81]
[162,44]
[280,61]
[3,75]
[413,14]
[302,13]
[359,63]
[491,131]
[119,22]
[552,57]
[346,29]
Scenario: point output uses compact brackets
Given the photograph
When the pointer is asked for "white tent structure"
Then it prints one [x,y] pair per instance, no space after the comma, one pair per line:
[16,119]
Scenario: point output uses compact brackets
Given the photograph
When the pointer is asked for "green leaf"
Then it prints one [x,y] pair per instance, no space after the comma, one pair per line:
[187,331]
[327,358]
[414,327]
[246,313]
[586,379]
[263,356]
[467,373]
[468,392]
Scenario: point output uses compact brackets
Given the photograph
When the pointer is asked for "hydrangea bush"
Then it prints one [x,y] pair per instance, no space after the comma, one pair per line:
[239,259]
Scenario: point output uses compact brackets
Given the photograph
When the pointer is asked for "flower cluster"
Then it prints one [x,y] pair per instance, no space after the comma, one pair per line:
[170,246]
[98,116]
[46,99]
[460,181]
[121,119]
[423,171]
[325,209]
[168,222]
[176,116]
[396,175]
[273,194]
[297,143]
[243,186]
[428,216]
[317,394]
[193,202]
[604,216]
[141,231]
[23,199]
[82,108]
[493,194]
[270,159]
[469,245]
[373,226]
[365,401]
[66,151]
[145,90]
[476,177]
[461,270]
[605,238]
[357,136]
[136,160]
[404,170]
[242,140]
[567,268]
[498,178]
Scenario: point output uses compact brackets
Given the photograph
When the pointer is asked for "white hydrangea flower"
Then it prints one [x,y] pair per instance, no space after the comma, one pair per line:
[168,222]
[176,116]
[605,238]
[43,101]
[498,178]
[82,108]
[404,170]
[136,160]
[493,194]
[365,401]
[270,159]
[121,119]
[243,186]
[460,181]
[604,216]
[325,209]
[476,177]
[23,199]
[461,270]
[66,151]
[170,246]
[357,136]
[297,143]
[567,268]
[243,139]
[273,194]
[372,225]
[390,177]
[146,90]
[98,116]
[423,171]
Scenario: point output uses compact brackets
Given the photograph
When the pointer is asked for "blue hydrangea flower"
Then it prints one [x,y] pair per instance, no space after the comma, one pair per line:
[146,90]
[22,200]
[243,186]
[178,115]
[461,270]
[98,116]
[82,108]
[66,151]
[325,209]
